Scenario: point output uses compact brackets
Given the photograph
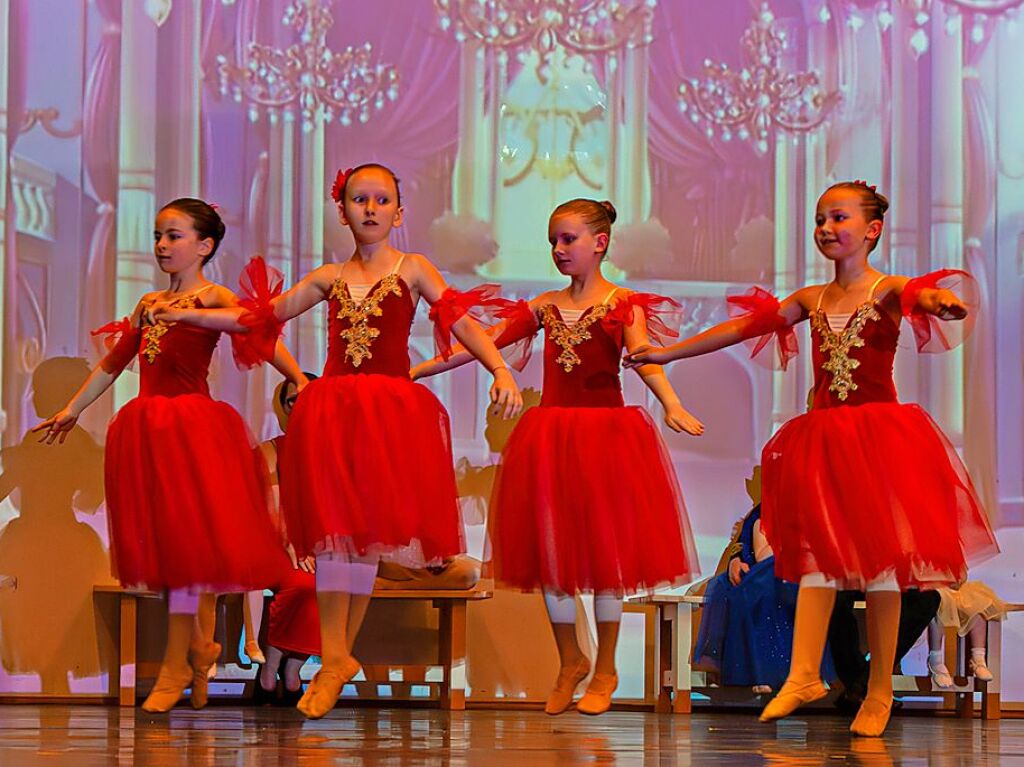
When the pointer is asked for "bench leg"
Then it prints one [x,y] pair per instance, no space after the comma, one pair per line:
[990,692]
[682,640]
[452,652]
[127,649]
[663,701]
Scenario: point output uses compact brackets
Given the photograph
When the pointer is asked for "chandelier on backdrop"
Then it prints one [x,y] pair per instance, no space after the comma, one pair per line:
[974,15]
[759,98]
[582,27]
[307,77]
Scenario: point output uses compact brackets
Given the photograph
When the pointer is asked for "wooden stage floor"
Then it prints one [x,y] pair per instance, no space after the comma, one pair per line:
[242,737]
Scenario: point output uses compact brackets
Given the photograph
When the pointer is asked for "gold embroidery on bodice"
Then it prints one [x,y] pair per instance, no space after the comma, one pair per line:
[838,345]
[152,334]
[568,336]
[360,335]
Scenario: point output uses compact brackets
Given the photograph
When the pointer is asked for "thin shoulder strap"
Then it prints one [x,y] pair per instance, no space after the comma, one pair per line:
[398,265]
[609,296]
[821,295]
[871,293]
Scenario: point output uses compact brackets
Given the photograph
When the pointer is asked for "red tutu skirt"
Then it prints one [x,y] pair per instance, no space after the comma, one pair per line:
[368,469]
[294,620]
[187,498]
[586,499]
[859,492]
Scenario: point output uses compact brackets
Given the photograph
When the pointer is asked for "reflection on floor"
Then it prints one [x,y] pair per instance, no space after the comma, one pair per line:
[95,735]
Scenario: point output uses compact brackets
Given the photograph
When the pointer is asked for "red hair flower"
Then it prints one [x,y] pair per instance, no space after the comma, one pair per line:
[339,184]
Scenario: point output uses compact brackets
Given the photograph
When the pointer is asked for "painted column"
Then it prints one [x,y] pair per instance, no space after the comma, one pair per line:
[946,371]
[312,330]
[7,284]
[136,272]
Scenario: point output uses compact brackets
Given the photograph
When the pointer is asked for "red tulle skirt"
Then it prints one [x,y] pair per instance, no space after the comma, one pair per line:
[187,498]
[368,469]
[586,499]
[860,491]
[294,620]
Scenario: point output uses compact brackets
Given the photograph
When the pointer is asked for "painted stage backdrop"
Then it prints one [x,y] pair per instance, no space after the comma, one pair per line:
[713,127]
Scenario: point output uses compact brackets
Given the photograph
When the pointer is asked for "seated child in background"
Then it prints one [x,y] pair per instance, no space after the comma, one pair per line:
[968,609]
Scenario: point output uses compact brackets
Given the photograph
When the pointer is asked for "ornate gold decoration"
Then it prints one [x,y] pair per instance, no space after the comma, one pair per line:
[838,345]
[569,336]
[360,335]
[152,334]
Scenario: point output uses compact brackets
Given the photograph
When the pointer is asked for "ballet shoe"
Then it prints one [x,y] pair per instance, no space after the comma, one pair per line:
[791,697]
[940,675]
[252,649]
[980,670]
[872,718]
[202,660]
[322,693]
[598,697]
[569,678]
[167,690]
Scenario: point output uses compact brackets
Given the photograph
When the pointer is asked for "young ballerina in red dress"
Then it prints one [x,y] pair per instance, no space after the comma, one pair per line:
[586,497]
[862,492]
[368,470]
[186,490]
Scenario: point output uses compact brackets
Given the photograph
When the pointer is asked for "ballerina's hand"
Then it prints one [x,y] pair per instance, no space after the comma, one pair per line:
[737,567]
[645,355]
[505,395]
[946,305]
[161,311]
[57,426]
[417,371]
[678,418]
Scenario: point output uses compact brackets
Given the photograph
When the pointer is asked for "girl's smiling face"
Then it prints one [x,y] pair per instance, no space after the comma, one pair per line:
[841,228]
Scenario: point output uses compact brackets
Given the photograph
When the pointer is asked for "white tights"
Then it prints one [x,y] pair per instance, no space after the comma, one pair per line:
[562,607]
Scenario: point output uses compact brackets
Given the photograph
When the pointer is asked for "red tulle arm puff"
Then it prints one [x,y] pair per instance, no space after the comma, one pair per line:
[934,334]
[121,341]
[764,323]
[453,305]
[661,315]
[516,338]
[259,285]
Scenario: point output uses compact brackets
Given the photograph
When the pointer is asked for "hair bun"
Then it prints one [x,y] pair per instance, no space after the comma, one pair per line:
[610,210]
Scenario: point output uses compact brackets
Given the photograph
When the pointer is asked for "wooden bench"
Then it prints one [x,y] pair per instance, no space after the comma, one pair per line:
[676,679]
[451,606]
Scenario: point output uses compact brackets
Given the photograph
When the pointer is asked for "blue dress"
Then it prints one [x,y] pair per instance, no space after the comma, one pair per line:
[746,631]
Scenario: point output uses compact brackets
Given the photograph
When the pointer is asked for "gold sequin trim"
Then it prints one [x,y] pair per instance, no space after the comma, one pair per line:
[569,336]
[837,346]
[360,335]
[152,334]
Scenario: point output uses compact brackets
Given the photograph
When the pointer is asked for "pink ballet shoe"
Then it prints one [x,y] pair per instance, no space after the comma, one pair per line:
[872,718]
[791,697]
[167,691]
[322,694]
[569,678]
[980,670]
[598,697]
[203,660]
